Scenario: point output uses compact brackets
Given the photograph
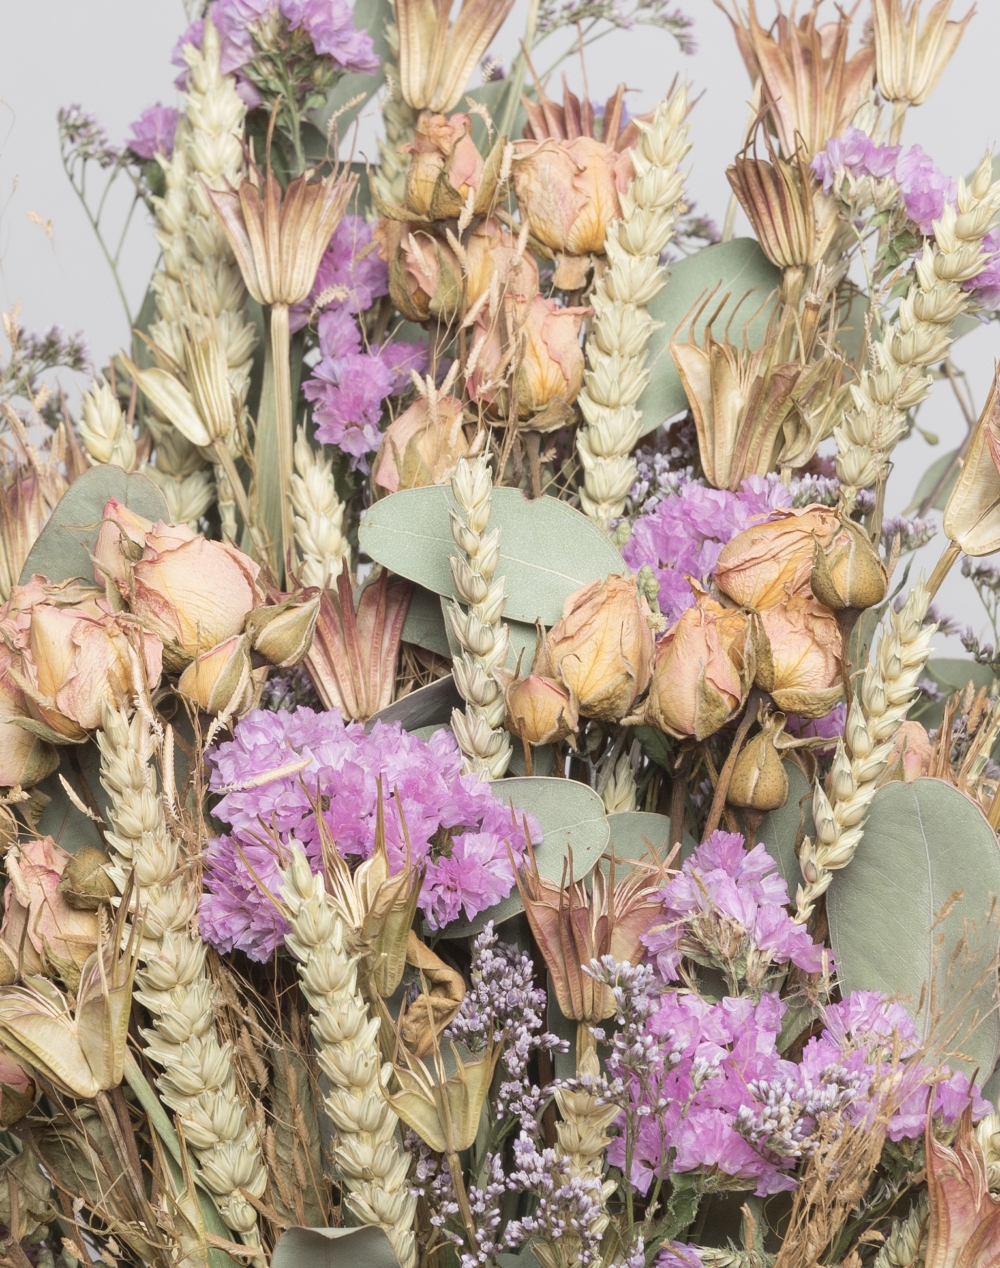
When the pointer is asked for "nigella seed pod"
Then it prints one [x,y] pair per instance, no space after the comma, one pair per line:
[848,573]
[760,781]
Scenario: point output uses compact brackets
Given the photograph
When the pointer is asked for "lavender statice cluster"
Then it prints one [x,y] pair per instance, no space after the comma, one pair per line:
[153,132]
[555,14]
[296,47]
[305,774]
[924,189]
[83,139]
[721,1100]
[726,909]
[350,381]
[564,1204]
[683,535]
[913,531]
[503,1001]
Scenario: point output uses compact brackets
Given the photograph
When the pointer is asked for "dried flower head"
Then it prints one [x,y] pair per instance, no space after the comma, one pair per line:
[909,59]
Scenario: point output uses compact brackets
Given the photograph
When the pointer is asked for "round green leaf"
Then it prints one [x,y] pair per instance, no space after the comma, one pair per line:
[571,816]
[930,478]
[740,271]
[547,549]
[779,829]
[635,832]
[367,1245]
[924,844]
[425,623]
[63,547]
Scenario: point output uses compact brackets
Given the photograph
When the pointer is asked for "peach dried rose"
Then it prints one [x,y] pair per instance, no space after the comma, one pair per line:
[764,564]
[801,667]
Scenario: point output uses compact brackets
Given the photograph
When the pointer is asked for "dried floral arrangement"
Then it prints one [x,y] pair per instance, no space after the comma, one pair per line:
[476,789]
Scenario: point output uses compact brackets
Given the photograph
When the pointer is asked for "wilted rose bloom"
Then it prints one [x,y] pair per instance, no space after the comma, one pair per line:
[602,648]
[803,672]
[422,446]
[40,931]
[24,758]
[763,565]
[551,368]
[441,145]
[539,710]
[701,675]
[569,193]
[912,748]
[425,276]
[491,249]
[221,679]
[191,592]
[75,656]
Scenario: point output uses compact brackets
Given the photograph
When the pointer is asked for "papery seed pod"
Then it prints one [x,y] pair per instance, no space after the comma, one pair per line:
[759,780]
[848,573]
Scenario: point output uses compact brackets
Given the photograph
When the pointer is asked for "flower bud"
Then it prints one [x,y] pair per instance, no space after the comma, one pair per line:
[602,648]
[910,756]
[40,932]
[540,710]
[569,192]
[703,670]
[425,276]
[759,780]
[763,565]
[24,758]
[283,633]
[422,446]
[220,680]
[802,670]
[85,884]
[445,167]
[848,572]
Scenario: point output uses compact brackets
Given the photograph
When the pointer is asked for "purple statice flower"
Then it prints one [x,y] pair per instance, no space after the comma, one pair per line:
[924,187]
[985,286]
[153,132]
[678,1255]
[451,820]
[330,26]
[685,532]
[829,727]
[565,1203]
[726,907]
[855,154]
[351,275]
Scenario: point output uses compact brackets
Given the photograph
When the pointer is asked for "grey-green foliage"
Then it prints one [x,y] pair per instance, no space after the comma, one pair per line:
[63,548]
[547,549]
[912,917]
[739,282]
[334,1248]
[572,818]
[779,829]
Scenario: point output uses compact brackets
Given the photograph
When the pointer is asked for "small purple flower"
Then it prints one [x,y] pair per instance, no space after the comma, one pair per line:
[330,26]
[153,132]
[351,274]
[985,286]
[924,187]
[856,154]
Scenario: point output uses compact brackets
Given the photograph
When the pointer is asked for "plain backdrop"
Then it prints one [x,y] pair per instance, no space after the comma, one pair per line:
[113,58]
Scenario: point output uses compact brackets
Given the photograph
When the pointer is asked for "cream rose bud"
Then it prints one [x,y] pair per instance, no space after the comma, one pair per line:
[763,565]
[539,710]
[283,633]
[422,446]
[121,541]
[569,192]
[800,665]
[41,932]
[76,658]
[221,680]
[441,146]
[703,670]
[17,1090]
[602,648]
[24,758]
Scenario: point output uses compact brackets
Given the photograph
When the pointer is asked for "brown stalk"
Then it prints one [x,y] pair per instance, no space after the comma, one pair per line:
[726,774]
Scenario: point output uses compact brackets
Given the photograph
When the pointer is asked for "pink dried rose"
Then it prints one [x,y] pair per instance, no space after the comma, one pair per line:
[24,758]
[41,932]
[441,146]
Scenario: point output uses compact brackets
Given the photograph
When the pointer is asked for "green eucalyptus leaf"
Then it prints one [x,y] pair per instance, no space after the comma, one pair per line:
[738,269]
[929,480]
[547,549]
[635,834]
[427,706]
[334,1248]
[425,623]
[572,818]
[63,548]
[780,829]
[927,851]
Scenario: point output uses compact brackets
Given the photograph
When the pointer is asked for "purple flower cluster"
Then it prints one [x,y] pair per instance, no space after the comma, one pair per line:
[924,188]
[726,907]
[683,535]
[329,25]
[722,1101]
[452,821]
[351,274]
[153,132]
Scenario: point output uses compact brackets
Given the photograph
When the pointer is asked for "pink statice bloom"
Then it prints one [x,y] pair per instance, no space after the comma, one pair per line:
[153,132]
[453,821]
[684,534]
[351,275]
[985,286]
[924,187]
[726,890]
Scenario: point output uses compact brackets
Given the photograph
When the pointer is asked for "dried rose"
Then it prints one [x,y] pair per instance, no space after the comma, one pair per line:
[422,446]
[539,710]
[442,148]
[800,663]
[221,680]
[24,758]
[425,276]
[17,1090]
[763,565]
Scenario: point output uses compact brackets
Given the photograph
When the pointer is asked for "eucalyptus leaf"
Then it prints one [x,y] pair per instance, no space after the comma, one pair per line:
[61,820]
[522,641]
[741,274]
[925,843]
[930,478]
[780,829]
[547,549]
[425,624]
[543,760]
[367,1246]
[63,548]
[572,818]
[427,706]
[634,833]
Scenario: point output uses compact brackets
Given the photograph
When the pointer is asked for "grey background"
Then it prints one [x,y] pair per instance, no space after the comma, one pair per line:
[113,56]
